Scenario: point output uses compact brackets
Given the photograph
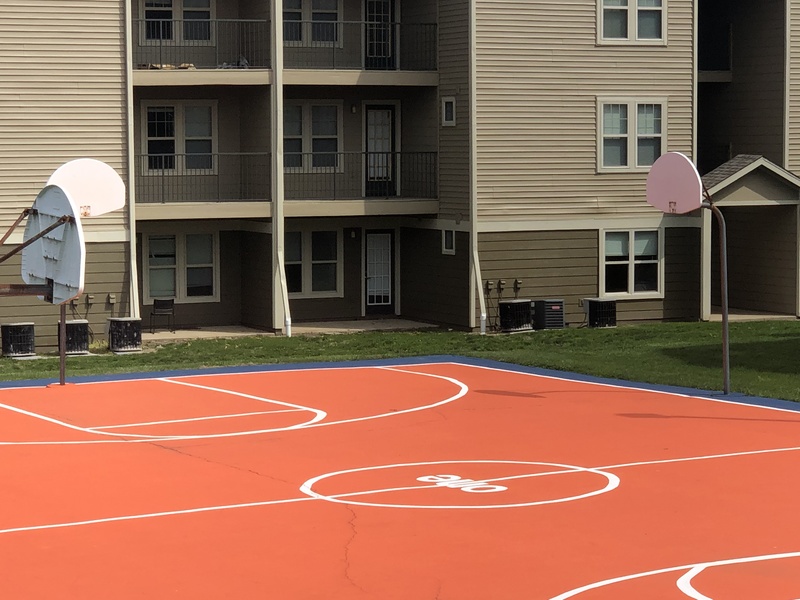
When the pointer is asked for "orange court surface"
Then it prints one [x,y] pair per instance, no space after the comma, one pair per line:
[422,479]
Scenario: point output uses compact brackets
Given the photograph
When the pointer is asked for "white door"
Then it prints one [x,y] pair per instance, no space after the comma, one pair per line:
[379,272]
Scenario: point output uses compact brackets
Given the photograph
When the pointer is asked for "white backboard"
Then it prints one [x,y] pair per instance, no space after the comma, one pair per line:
[95,187]
[674,185]
[60,255]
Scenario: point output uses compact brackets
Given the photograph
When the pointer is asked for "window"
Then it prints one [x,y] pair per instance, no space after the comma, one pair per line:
[631,263]
[313,263]
[180,137]
[631,21]
[182,266]
[311,136]
[631,134]
[311,21]
[177,20]
[448,241]
[448,111]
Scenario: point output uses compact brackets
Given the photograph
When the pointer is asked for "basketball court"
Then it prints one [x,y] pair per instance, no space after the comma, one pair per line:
[441,478]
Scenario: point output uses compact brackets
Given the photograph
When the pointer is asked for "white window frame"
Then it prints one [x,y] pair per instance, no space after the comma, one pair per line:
[451,101]
[307,27]
[448,248]
[308,139]
[181,267]
[633,38]
[631,293]
[177,38]
[632,135]
[180,136]
[307,263]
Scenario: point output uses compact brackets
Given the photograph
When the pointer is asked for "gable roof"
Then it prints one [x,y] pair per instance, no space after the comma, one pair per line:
[739,166]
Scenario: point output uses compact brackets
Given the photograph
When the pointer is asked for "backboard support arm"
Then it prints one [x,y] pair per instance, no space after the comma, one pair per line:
[63,220]
[11,229]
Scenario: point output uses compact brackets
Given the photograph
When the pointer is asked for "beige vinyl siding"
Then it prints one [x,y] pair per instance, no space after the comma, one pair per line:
[539,75]
[439,290]
[762,258]
[62,95]
[793,88]
[454,142]
[106,266]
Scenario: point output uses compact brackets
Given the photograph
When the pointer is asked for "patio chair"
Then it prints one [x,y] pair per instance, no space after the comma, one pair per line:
[163,307]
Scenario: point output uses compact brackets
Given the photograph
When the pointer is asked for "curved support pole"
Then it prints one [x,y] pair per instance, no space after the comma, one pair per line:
[723,267]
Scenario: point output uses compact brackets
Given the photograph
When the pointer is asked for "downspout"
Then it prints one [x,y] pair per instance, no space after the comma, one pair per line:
[475,272]
[280,302]
[133,309]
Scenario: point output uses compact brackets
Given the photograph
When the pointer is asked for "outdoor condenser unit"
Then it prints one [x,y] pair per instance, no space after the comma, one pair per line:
[77,336]
[515,315]
[124,334]
[548,314]
[600,313]
[18,339]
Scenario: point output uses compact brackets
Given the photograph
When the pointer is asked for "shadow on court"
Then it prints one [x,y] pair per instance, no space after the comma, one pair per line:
[775,356]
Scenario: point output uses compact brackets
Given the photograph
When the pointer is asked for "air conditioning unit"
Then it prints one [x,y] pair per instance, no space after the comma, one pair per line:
[18,339]
[124,334]
[548,314]
[600,313]
[515,315]
[77,336]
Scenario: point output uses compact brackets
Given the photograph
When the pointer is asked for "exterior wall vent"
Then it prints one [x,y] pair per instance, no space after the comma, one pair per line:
[515,315]
[124,334]
[18,339]
[548,314]
[600,313]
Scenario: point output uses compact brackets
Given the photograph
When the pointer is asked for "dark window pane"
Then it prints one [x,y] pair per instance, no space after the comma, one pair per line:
[325,152]
[616,278]
[292,152]
[198,154]
[323,277]
[323,245]
[158,25]
[293,246]
[200,281]
[294,278]
[324,27]
[645,278]
[196,26]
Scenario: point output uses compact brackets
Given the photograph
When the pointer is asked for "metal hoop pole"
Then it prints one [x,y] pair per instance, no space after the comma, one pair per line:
[723,268]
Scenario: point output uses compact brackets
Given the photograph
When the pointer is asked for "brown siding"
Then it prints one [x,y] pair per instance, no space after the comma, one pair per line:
[348,307]
[434,286]
[762,258]
[551,265]
[454,142]
[564,265]
[106,274]
[256,283]
[539,74]
[62,95]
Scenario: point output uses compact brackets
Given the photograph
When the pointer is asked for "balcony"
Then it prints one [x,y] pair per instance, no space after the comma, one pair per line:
[360,175]
[200,44]
[360,46]
[233,185]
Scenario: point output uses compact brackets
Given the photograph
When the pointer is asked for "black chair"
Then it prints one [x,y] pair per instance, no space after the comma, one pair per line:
[163,308]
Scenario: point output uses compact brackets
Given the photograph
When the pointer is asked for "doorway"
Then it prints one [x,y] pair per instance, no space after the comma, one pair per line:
[381,158]
[379,52]
[379,270]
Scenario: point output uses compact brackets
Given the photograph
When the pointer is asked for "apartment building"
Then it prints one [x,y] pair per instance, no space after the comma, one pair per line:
[339,159]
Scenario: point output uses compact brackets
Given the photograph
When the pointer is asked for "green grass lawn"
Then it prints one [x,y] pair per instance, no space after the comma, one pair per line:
[765,356]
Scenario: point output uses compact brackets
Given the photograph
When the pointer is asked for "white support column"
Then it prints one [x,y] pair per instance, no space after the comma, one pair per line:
[133,293]
[281,317]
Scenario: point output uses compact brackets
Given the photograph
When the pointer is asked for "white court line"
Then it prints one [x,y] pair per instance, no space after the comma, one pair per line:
[315,422]
[692,568]
[249,414]
[685,584]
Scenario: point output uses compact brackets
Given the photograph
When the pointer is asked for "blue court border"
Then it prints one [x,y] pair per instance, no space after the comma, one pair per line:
[415,360]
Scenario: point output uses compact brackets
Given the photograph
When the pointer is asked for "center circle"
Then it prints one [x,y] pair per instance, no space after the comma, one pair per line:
[455,480]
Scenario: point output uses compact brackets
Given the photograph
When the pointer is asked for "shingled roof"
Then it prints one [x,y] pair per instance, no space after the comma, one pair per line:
[728,169]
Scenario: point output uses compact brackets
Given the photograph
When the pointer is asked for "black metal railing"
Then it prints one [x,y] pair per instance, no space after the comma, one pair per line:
[220,177]
[359,45]
[201,44]
[356,175]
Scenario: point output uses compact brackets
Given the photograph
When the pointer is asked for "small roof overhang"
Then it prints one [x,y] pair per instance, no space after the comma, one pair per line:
[752,180]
